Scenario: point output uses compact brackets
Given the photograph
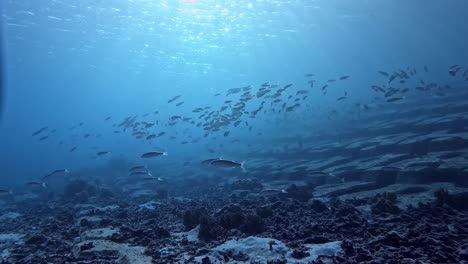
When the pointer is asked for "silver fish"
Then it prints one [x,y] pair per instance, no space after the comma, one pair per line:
[153,154]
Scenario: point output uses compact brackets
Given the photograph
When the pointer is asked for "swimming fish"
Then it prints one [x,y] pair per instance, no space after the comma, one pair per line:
[174,98]
[56,173]
[137,168]
[222,163]
[35,183]
[152,178]
[394,99]
[100,153]
[39,131]
[153,154]
[141,173]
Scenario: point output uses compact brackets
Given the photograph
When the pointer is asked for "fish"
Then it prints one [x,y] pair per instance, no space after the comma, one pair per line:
[43,138]
[344,77]
[222,163]
[226,133]
[73,149]
[179,104]
[36,183]
[309,75]
[153,154]
[301,92]
[341,98]
[141,173]
[384,73]
[454,71]
[151,137]
[138,168]
[152,178]
[57,172]
[208,161]
[39,131]
[394,99]
[174,98]
[108,118]
[100,153]
[5,191]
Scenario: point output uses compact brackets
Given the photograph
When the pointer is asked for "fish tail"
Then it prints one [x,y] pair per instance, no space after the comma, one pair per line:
[44,185]
[149,173]
[165,153]
[243,167]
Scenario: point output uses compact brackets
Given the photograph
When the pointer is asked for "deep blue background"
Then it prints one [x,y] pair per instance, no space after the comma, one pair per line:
[81,61]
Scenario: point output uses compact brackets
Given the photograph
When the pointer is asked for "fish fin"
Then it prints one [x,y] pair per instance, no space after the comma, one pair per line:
[242,166]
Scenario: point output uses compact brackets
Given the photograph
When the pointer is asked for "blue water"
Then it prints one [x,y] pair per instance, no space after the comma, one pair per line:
[67,62]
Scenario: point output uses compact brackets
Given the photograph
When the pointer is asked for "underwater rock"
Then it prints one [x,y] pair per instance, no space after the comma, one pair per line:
[384,203]
[192,217]
[36,240]
[318,206]
[253,225]
[264,211]
[299,254]
[209,229]
[457,200]
[80,189]
[231,216]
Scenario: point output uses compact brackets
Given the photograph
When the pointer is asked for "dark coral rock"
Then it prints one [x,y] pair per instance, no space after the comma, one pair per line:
[392,239]
[231,216]
[192,217]
[209,229]
[299,254]
[457,201]
[87,246]
[463,255]
[318,206]
[264,211]
[160,232]
[206,260]
[75,187]
[253,225]
[246,184]
[384,203]
[36,240]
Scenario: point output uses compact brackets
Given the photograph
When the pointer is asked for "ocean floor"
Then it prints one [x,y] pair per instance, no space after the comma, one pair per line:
[397,222]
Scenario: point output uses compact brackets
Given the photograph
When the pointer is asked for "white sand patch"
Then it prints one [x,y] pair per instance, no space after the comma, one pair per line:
[90,218]
[257,249]
[99,233]
[191,236]
[11,237]
[131,254]
[151,205]
[6,241]
[141,193]
[9,215]
[108,208]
